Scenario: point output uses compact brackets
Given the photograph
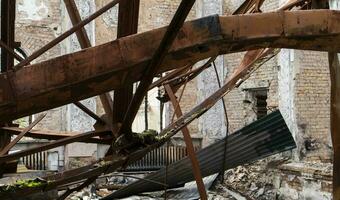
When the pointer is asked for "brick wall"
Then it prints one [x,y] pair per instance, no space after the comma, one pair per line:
[35,27]
[312,105]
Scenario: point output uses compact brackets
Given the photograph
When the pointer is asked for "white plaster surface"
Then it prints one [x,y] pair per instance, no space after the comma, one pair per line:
[212,123]
[77,120]
[33,9]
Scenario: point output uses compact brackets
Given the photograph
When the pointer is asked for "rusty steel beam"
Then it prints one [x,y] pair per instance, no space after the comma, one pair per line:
[239,75]
[84,42]
[334,68]
[181,80]
[21,135]
[7,32]
[51,145]
[10,51]
[151,70]
[169,76]
[188,142]
[75,18]
[110,166]
[7,59]
[51,135]
[100,69]
[249,6]
[89,112]
[66,34]
[128,16]
[96,169]
[294,3]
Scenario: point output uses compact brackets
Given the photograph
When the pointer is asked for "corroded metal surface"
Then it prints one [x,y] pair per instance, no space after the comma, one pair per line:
[262,138]
[99,69]
[159,55]
[188,142]
[84,42]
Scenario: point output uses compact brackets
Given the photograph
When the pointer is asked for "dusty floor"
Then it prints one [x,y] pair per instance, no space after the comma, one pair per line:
[216,192]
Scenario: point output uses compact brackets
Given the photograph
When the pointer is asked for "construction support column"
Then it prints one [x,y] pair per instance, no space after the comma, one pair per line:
[7,60]
[128,15]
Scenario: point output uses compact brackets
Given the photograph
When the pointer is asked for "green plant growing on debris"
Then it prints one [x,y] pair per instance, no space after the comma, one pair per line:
[127,143]
[22,184]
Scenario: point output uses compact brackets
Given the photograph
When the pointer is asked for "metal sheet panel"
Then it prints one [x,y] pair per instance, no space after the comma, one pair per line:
[267,136]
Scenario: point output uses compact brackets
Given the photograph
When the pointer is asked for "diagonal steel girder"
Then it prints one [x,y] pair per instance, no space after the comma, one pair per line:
[96,70]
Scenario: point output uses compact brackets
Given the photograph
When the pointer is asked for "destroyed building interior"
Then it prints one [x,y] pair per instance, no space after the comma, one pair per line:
[170,99]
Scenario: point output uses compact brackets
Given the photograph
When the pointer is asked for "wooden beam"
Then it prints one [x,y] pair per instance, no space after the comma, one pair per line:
[188,142]
[97,70]
[334,68]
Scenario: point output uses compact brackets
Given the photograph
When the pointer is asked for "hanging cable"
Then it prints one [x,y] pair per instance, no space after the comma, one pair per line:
[146,105]
[227,124]
[161,108]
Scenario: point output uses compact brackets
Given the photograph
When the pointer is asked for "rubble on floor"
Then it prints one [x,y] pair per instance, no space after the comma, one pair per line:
[276,178]
[218,192]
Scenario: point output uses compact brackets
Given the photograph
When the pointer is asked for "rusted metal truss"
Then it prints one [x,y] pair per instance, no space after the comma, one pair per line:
[30,89]
[99,69]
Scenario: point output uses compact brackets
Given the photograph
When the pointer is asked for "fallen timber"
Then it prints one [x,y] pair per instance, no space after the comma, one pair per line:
[97,70]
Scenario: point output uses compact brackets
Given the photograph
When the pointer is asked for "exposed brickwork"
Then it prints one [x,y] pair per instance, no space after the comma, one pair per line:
[33,33]
[312,104]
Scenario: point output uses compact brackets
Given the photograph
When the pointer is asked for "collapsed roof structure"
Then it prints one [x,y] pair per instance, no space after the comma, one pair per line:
[29,89]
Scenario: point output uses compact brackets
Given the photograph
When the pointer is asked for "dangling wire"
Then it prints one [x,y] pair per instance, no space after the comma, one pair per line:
[161,108]
[146,105]
[227,125]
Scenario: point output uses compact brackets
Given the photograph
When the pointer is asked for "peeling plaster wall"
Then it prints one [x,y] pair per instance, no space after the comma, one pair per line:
[76,119]
[33,9]
[286,90]
[211,126]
